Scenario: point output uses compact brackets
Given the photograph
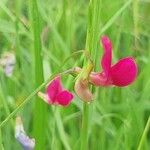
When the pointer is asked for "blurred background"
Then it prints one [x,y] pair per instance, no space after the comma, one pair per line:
[118,115]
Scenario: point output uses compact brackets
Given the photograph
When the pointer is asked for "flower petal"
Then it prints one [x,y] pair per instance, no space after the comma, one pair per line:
[124,72]
[26,142]
[45,97]
[107,56]
[54,88]
[64,98]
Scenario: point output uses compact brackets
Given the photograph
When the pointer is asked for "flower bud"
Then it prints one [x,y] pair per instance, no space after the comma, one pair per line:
[82,90]
[82,84]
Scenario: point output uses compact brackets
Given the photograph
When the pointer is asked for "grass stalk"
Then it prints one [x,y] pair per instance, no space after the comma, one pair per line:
[115,17]
[39,121]
[142,140]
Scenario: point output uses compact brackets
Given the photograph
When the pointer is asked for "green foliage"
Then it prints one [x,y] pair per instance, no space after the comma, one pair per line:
[42,36]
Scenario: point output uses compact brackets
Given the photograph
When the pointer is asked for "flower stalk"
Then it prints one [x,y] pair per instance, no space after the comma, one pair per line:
[91,46]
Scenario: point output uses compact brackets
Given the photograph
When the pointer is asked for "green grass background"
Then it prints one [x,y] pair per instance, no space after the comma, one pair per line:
[118,116]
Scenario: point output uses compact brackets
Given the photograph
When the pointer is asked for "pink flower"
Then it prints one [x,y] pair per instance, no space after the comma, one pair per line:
[121,74]
[56,94]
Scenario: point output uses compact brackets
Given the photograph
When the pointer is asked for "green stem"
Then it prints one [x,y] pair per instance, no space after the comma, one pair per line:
[25,101]
[91,46]
[115,16]
[147,127]
[85,125]
[12,114]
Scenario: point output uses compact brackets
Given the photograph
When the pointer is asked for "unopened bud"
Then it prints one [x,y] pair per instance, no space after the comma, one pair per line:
[82,90]
[82,83]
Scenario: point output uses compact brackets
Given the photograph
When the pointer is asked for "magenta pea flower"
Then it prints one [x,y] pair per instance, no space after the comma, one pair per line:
[56,94]
[121,74]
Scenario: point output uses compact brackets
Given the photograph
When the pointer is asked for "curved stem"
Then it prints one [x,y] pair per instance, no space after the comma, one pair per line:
[12,114]
[24,102]
[70,71]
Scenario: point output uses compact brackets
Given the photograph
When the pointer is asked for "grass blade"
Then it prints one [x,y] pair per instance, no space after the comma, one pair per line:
[115,16]
[39,120]
[147,128]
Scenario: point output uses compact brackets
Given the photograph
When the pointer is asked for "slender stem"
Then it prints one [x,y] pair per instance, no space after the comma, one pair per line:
[91,46]
[85,125]
[147,127]
[115,16]
[12,114]
[25,102]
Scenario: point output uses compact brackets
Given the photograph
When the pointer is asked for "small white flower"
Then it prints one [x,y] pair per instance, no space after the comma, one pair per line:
[8,61]
[26,142]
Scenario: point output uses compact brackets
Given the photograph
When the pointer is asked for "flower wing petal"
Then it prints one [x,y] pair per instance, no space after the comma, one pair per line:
[124,72]
[107,56]
[54,88]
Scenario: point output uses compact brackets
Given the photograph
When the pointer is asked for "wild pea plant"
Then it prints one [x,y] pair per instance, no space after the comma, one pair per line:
[95,88]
